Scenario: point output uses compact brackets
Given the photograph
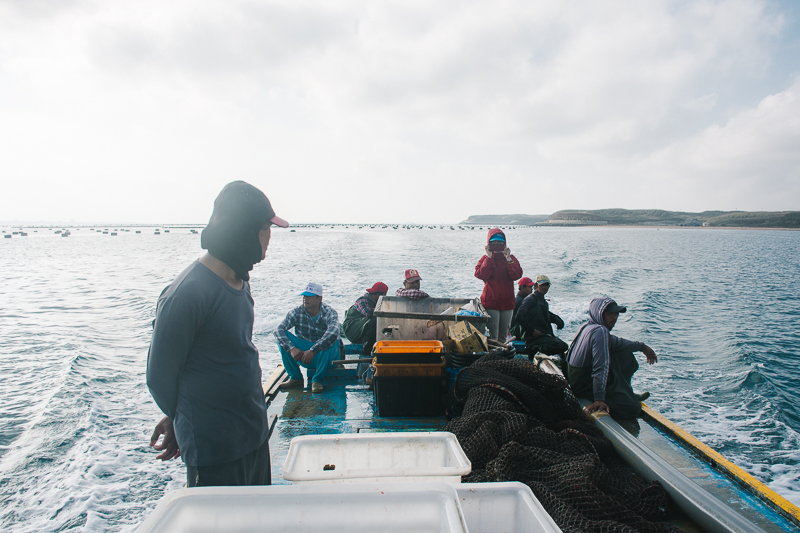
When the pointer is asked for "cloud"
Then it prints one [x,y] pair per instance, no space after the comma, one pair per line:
[329,105]
[753,155]
[206,39]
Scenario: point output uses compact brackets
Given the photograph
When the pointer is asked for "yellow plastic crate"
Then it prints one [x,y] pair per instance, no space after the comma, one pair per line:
[409,347]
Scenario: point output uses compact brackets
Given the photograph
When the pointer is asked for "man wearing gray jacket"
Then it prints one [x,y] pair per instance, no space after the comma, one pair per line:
[600,365]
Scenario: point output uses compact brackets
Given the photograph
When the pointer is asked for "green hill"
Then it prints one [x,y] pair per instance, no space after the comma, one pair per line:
[758,219]
[647,217]
[505,220]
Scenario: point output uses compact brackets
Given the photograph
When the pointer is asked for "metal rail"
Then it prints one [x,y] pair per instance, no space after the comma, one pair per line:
[709,512]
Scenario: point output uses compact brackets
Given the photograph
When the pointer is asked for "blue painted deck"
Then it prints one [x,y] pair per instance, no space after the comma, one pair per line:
[345,406]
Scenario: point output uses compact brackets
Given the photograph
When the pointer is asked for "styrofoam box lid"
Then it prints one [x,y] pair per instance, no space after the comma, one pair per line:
[354,508]
[503,507]
[375,455]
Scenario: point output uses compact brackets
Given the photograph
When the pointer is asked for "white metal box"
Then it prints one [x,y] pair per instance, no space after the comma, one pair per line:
[376,457]
[503,508]
[403,319]
[354,508]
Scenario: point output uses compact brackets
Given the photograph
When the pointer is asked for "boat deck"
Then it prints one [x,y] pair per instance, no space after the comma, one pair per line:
[348,406]
[345,406]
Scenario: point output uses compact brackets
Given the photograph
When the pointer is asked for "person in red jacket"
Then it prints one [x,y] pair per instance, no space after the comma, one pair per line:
[498,269]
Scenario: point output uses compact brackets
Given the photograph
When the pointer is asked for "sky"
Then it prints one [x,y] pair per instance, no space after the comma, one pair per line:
[396,111]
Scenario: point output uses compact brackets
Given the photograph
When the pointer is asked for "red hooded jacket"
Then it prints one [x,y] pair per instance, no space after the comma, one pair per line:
[498,276]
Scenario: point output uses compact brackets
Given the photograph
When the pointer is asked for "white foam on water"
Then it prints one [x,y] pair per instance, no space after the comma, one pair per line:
[265,325]
[744,428]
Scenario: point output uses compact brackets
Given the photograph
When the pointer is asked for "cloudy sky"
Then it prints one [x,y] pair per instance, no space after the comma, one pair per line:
[406,111]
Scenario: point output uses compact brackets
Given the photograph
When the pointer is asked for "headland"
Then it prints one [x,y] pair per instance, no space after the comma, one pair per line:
[648,217]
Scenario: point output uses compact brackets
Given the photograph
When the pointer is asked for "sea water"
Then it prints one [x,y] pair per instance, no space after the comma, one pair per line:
[720,307]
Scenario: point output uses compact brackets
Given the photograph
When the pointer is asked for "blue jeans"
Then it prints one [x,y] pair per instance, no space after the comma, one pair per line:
[322,360]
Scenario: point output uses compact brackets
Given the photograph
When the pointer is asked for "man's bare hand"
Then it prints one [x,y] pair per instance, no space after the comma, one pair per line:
[308,357]
[169,444]
[537,334]
[650,354]
[297,353]
[599,405]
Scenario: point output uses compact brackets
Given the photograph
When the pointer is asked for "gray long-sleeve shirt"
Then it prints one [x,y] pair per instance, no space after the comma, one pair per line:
[594,343]
[203,369]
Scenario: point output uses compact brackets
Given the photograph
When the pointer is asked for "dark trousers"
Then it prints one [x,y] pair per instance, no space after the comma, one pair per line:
[251,469]
[620,397]
[546,344]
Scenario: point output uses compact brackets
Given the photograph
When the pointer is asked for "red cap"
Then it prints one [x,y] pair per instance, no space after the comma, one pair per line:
[278,221]
[526,281]
[378,287]
[412,275]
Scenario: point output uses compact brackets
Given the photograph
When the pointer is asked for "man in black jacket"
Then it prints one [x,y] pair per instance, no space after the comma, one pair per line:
[525,289]
[535,319]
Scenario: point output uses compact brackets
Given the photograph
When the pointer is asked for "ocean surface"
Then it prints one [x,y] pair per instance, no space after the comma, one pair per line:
[721,309]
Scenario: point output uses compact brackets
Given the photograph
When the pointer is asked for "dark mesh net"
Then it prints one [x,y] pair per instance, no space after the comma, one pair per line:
[520,424]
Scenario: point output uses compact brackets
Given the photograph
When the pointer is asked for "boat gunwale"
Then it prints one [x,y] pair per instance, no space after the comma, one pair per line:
[717,461]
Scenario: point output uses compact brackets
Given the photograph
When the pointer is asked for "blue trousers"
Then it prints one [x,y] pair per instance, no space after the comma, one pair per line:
[322,360]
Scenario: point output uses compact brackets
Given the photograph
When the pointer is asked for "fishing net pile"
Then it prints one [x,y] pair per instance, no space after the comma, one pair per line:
[521,424]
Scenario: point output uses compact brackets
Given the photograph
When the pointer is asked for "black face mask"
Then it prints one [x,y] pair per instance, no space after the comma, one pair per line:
[240,211]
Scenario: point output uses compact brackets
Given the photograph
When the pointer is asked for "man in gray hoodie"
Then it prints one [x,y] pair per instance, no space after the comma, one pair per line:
[600,365]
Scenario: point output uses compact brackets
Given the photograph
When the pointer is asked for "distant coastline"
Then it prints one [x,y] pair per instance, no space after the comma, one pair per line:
[648,218]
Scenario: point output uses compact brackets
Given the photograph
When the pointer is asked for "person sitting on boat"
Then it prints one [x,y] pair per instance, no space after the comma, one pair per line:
[315,343]
[525,289]
[411,286]
[360,326]
[525,285]
[202,367]
[498,269]
[600,365]
[535,320]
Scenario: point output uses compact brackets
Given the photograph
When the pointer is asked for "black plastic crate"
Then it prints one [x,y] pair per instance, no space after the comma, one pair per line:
[407,358]
[408,396]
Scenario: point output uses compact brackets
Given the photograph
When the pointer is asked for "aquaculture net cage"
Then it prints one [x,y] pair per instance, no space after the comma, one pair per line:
[521,424]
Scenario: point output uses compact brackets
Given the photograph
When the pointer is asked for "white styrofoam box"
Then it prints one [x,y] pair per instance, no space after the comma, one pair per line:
[508,507]
[376,457]
[355,508]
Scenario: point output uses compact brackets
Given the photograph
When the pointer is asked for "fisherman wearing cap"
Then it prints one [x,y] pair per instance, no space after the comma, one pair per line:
[202,367]
[411,285]
[525,289]
[535,320]
[359,326]
[315,343]
[600,365]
